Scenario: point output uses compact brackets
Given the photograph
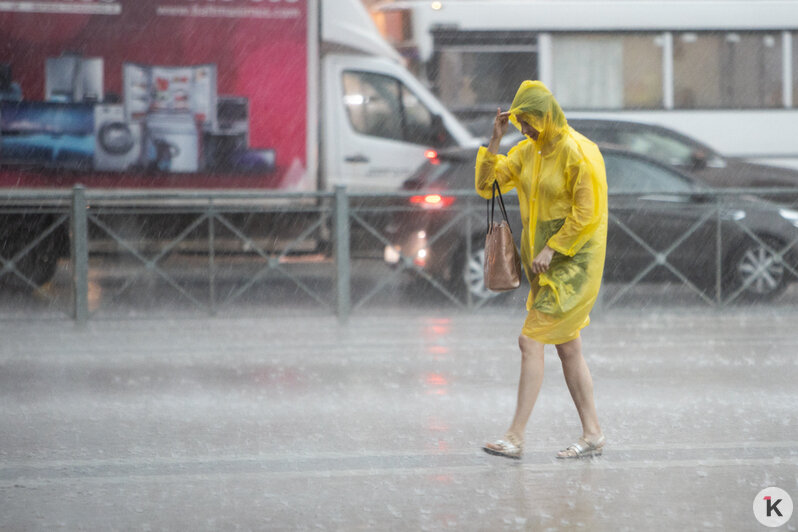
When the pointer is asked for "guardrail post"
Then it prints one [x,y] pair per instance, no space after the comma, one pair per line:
[718,253]
[212,256]
[468,236]
[80,255]
[342,258]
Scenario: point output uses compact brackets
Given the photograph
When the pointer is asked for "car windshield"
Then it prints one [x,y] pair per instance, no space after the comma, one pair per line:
[664,148]
[626,174]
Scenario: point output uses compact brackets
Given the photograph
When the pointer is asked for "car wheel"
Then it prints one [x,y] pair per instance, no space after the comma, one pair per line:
[756,268]
[473,274]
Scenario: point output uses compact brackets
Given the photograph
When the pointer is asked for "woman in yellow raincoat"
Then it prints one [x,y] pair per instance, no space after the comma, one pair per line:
[562,190]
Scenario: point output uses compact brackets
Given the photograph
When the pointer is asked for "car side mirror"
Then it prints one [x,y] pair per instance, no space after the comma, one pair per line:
[698,160]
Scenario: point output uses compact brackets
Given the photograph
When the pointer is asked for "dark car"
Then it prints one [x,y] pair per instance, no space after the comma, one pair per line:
[664,225]
[685,154]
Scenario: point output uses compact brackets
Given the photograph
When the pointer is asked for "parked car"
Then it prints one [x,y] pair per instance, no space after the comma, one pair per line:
[664,226]
[678,150]
[685,153]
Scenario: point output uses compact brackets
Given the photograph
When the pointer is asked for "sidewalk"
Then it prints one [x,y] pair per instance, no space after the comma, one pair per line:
[305,424]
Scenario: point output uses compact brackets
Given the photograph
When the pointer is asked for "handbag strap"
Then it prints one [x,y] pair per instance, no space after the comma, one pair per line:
[501,201]
[488,204]
[492,205]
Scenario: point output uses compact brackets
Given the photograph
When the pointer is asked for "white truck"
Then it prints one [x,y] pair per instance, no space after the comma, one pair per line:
[159,95]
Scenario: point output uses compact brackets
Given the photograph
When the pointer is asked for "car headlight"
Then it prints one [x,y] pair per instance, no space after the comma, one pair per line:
[789,215]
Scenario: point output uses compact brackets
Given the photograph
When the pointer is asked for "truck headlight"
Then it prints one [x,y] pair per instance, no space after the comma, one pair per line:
[789,215]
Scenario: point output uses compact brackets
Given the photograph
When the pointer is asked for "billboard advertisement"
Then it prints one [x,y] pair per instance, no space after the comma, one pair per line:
[154,93]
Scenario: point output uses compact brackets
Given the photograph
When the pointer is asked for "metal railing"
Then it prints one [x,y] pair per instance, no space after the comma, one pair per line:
[466,218]
[34,219]
[204,214]
[351,226]
[731,223]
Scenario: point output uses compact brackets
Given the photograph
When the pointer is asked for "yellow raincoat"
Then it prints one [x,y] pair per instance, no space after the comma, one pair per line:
[562,191]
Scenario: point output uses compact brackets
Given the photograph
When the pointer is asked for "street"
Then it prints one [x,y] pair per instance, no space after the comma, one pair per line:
[297,422]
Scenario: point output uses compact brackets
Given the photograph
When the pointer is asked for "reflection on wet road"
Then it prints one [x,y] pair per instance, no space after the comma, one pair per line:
[298,422]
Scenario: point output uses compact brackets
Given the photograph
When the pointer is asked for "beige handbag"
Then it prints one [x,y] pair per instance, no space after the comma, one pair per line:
[502,261]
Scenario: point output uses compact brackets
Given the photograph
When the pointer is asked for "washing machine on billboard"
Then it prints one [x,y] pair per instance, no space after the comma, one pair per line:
[172,142]
[118,142]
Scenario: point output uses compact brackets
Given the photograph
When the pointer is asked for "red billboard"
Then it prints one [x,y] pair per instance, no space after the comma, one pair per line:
[154,93]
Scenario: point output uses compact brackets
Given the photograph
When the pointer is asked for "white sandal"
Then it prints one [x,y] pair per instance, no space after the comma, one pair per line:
[583,449]
[509,447]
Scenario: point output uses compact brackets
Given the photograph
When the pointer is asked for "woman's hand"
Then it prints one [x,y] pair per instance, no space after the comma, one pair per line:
[541,263]
[500,124]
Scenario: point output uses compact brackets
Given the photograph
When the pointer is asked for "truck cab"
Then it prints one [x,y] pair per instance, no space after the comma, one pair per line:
[379,121]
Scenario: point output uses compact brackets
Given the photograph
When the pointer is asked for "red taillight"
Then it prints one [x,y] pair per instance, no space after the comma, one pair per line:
[432,201]
[432,155]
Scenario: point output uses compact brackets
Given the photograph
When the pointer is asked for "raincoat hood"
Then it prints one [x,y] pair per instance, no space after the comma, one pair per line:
[535,104]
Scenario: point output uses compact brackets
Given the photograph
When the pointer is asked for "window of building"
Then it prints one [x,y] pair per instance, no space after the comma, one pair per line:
[395,25]
[481,70]
[478,79]
[794,39]
[602,71]
[727,70]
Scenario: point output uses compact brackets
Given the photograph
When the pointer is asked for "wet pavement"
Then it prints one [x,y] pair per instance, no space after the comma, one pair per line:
[300,423]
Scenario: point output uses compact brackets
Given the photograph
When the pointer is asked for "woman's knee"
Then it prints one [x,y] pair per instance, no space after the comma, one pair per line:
[529,347]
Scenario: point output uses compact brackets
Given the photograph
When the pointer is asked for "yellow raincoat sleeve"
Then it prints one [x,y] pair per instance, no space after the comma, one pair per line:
[587,185]
[505,169]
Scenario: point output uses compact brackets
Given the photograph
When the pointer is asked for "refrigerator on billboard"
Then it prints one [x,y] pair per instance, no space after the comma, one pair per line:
[171,89]
[73,78]
[174,105]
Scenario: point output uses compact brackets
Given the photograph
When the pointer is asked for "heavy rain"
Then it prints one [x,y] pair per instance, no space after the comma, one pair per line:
[242,265]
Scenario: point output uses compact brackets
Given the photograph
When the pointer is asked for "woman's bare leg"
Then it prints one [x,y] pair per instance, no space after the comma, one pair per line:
[528,385]
[580,384]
